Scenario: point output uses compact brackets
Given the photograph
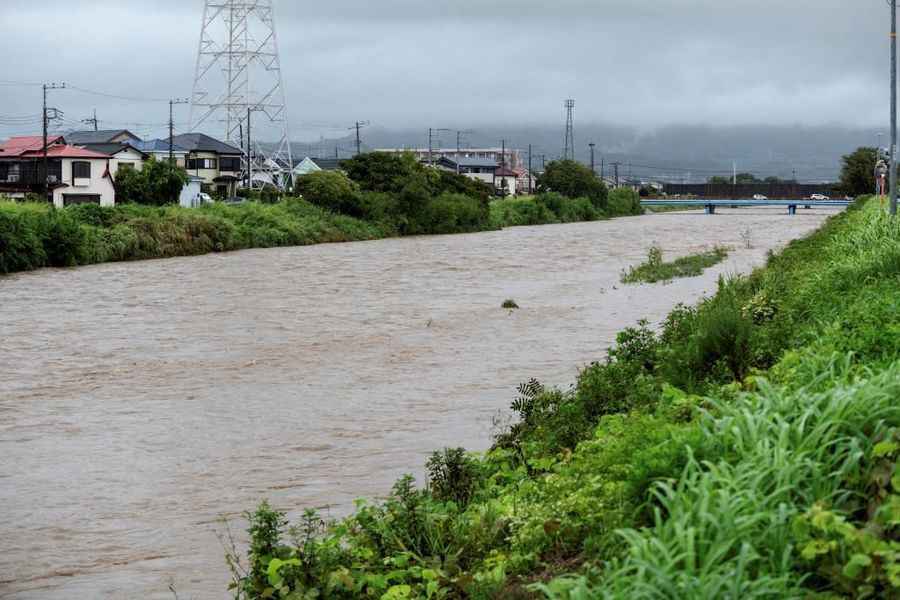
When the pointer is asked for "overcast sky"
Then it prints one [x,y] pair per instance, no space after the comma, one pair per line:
[460,63]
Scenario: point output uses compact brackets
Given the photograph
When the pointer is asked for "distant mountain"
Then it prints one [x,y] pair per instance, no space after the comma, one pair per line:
[676,153]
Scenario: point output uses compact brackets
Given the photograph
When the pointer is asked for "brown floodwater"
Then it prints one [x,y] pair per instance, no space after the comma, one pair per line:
[142,402]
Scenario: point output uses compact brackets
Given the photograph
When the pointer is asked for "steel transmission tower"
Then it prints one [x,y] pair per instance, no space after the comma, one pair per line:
[238,75]
[569,153]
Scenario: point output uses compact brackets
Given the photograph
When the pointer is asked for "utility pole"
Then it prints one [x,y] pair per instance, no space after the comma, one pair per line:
[543,162]
[734,172]
[530,177]
[249,150]
[593,166]
[503,155]
[172,104]
[602,168]
[893,208]
[431,132]
[359,125]
[616,171]
[459,135]
[46,119]
[92,121]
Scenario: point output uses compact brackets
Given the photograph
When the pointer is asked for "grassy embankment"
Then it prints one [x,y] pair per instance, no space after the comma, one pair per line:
[36,235]
[749,450]
[687,266]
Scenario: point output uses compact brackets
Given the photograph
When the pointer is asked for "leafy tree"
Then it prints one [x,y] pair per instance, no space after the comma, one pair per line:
[858,171]
[157,183]
[573,180]
[381,171]
[718,180]
[331,190]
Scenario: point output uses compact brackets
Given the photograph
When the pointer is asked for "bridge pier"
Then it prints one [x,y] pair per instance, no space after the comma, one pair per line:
[792,209]
[710,209]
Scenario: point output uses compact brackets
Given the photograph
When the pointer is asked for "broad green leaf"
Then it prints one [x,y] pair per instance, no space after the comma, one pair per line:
[858,562]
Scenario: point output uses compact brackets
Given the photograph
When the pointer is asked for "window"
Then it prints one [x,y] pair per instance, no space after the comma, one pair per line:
[230,163]
[71,199]
[201,163]
[81,170]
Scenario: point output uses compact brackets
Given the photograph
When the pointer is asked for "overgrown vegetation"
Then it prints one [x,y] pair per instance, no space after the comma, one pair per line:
[376,195]
[654,269]
[746,449]
[37,235]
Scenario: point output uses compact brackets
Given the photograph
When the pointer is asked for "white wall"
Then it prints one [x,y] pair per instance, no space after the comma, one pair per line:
[127,156]
[189,192]
[98,184]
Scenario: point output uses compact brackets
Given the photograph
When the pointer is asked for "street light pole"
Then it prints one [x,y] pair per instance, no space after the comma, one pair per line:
[893,174]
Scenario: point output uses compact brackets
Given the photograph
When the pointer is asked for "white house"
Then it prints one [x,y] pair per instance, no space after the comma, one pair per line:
[86,177]
[75,175]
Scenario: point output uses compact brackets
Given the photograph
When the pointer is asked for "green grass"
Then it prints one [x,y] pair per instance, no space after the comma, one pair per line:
[748,448]
[687,266]
[37,235]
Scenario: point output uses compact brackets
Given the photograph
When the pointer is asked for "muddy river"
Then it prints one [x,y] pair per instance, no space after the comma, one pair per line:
[142,402]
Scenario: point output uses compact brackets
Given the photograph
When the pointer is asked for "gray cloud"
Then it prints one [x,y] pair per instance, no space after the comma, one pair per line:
[412,63]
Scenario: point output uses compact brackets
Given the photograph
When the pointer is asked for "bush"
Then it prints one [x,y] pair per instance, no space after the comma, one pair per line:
[332,191]
[573,180]
[454,213]
[624,201]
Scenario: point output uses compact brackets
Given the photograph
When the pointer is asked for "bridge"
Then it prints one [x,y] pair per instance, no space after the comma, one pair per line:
[711,204]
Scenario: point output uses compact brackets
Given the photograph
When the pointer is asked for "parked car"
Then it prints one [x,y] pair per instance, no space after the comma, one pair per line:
[818,197]
[234,200]
[203,198]
[760,197]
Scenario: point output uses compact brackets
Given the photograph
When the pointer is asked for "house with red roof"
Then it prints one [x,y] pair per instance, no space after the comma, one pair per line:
[71,174]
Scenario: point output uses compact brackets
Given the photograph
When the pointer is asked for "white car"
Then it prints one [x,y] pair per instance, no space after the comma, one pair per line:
[819,197]
[760,197]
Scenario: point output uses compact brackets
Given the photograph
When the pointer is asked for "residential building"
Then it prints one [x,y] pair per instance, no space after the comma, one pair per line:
[482,169]
[510,157]
[122,156]
[217,163]
[159,149]
[506,181]
[75,175]
[106,136]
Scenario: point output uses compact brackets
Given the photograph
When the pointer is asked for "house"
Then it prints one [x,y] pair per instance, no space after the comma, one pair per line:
[481,169]
[311,165]
[505,181]
[510,157]
[217,163]
[159,149]
[107,136]
[75,175]
[122,156]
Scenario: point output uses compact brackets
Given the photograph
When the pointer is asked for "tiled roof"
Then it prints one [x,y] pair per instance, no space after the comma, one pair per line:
[17,146]
[96,137]
[158,146]
[200,142]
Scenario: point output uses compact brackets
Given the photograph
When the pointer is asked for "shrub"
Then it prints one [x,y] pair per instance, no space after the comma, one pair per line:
[573,180]
[331,190]
[452,476]
[624,201]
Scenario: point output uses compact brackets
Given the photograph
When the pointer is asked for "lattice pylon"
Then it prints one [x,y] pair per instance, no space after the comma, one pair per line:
[238,84]
[569,152]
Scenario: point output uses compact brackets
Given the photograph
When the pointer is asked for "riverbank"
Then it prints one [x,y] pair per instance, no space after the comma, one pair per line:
[33,236]
[762,423]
